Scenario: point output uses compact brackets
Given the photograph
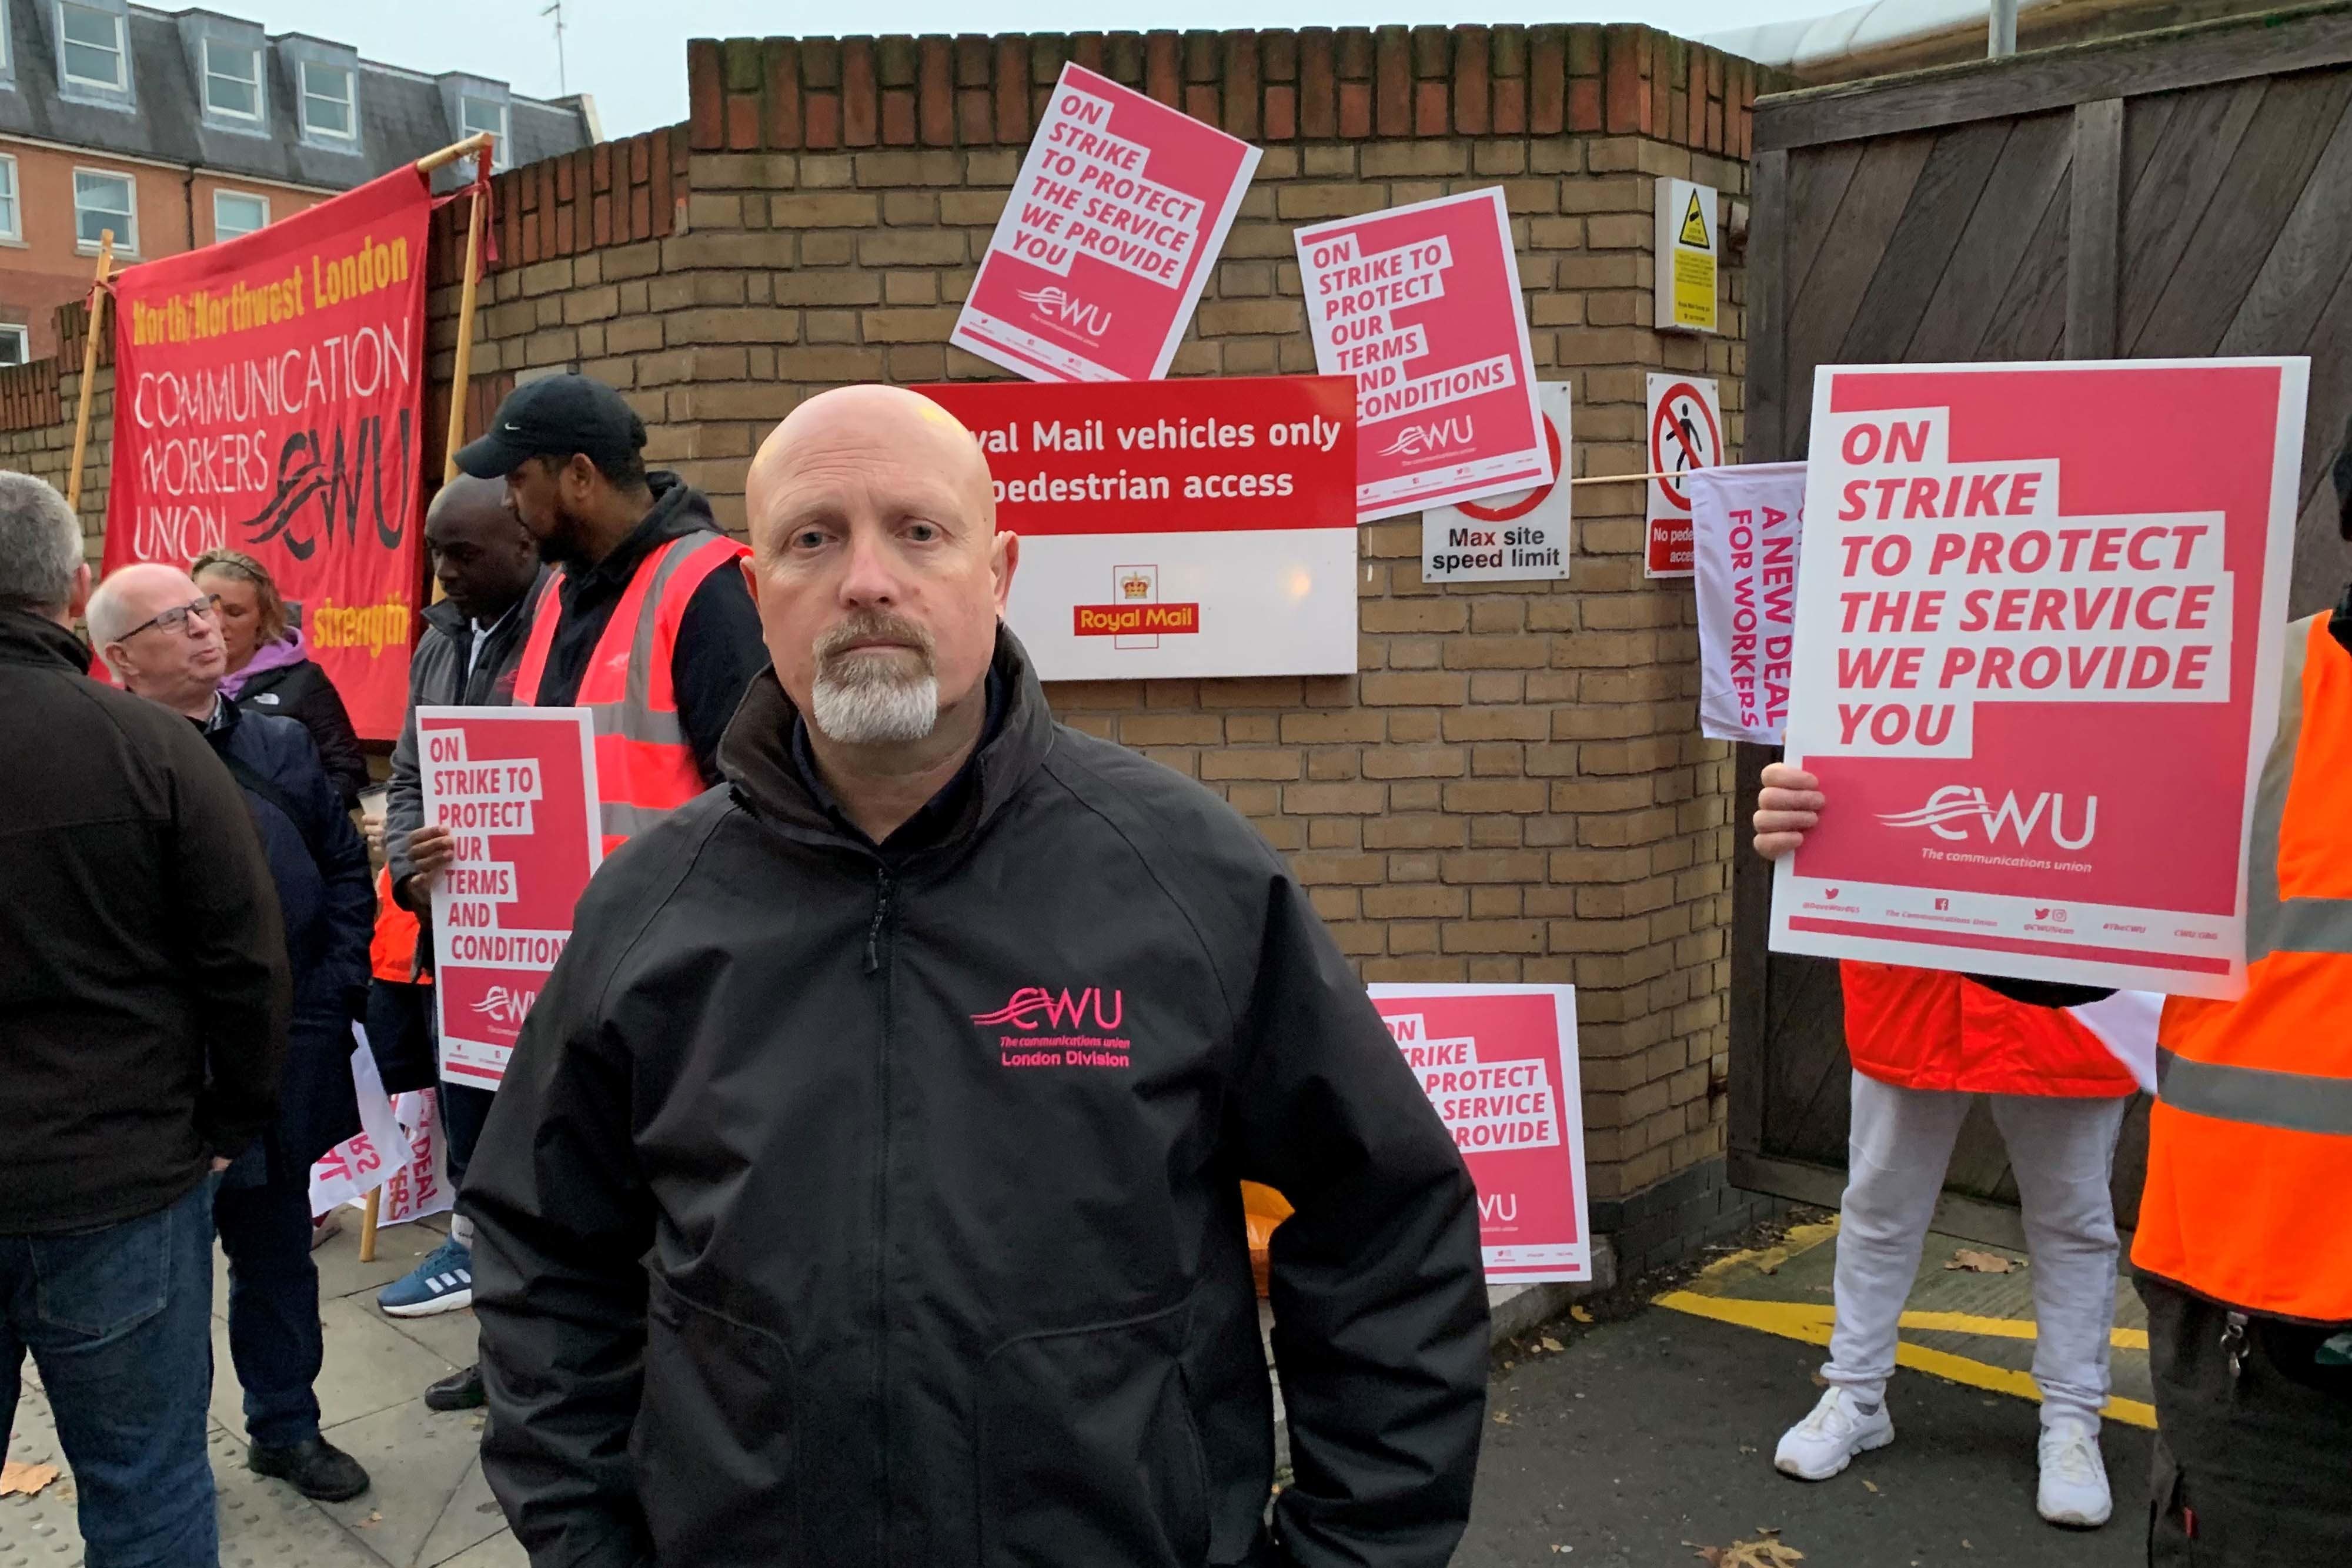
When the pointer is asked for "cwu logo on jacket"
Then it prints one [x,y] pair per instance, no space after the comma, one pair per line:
[1085,1025]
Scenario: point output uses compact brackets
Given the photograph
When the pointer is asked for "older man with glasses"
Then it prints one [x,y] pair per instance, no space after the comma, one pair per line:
[160,635]
[143,1001]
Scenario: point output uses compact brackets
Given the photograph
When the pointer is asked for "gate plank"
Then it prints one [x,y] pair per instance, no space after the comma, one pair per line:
[1949,187]
[1866,219]
[2296,279]
[2235,232]
[2185,166]
[2093,211]
[1818,178]
[1986,255]
[2031,318]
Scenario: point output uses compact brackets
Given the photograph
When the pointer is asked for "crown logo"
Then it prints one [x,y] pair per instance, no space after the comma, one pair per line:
[1135,587]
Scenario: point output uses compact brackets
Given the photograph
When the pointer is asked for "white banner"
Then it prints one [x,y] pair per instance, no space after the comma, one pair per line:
[362,1162]
[421,1187]
[1746,523]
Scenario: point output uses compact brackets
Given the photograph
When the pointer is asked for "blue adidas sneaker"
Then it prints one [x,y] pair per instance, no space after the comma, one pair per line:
[444,1282]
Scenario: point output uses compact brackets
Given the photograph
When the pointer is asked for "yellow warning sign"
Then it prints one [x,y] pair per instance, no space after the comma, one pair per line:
[1694,225]
[1686,276]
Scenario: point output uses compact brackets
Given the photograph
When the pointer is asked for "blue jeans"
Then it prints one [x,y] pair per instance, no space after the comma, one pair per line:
[119,1320]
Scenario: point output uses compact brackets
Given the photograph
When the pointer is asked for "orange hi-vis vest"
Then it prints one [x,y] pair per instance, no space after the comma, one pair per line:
[645,768]
[392,951]
[2248,1199]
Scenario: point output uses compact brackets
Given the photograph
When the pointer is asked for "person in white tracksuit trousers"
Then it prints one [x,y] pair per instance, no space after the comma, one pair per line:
[2052,1059]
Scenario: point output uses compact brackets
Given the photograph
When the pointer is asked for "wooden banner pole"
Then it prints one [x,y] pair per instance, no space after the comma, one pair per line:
[89,366]
[455,150]
[462,372]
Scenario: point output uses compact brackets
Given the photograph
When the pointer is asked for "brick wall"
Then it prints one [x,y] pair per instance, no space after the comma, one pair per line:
[1513,786]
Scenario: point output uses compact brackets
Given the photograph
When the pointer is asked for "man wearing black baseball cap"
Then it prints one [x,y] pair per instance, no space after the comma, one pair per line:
[648,624]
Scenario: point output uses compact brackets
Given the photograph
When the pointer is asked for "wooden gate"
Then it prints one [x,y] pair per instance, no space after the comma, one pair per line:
[2175,194]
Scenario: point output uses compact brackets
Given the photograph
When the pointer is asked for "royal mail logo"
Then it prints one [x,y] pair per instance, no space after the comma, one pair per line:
[1135,588]
[1066,310]
[1954,810]
[1082,1023]
[506,1005]
[1419,440]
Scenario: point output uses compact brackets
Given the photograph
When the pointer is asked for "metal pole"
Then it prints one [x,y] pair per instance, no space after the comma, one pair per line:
[2001,38]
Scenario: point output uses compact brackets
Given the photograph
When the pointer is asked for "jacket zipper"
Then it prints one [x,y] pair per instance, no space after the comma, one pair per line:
[881,914]
[882,1216]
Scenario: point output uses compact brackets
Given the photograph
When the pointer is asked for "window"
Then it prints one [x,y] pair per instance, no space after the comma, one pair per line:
[16,344]
[235,213]
[327,108]
[11,225]
[105,201]
[232,81]
[93,47]
[479,114]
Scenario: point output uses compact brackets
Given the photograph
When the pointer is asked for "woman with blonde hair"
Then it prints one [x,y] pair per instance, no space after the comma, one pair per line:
[269,669]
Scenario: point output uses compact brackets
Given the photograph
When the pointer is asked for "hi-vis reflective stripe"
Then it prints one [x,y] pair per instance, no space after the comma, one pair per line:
[632,722]
[2292,1101]
[622,820]
[2293,924]
[634,717]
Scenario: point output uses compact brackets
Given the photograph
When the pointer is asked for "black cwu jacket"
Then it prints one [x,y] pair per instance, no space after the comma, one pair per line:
[839,1210]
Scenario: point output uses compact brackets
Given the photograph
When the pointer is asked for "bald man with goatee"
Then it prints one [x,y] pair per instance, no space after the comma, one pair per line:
[864,1190]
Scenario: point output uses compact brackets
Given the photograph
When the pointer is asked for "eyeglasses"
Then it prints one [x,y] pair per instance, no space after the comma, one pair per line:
[176,618]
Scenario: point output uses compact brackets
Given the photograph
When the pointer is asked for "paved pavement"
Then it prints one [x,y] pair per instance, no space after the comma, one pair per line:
[1635,1442]
[429,1507]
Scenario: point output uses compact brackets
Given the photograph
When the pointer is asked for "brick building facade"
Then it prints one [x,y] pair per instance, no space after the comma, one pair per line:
[1513,786]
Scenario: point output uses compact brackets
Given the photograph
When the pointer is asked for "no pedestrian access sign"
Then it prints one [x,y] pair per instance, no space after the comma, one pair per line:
[1685,432]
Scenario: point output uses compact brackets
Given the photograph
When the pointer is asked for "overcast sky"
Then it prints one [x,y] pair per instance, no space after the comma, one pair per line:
[631,54]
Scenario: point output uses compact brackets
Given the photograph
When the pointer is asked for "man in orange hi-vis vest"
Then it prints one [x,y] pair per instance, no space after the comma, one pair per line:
[646,622]
[2244,1249]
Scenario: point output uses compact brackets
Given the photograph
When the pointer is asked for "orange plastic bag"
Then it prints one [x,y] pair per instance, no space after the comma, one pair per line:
[1263,1209]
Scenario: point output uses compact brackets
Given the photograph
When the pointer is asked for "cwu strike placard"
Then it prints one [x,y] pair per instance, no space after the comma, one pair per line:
[2039,622]
[1498,1063]
[517,790]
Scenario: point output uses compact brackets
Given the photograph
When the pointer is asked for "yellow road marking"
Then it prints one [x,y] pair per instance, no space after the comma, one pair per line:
[1810,1324]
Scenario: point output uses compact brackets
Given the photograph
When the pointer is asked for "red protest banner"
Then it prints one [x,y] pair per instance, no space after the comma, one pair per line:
[1175,528]
[517,788]
[1420,305]
[269,397]
[1120,209]
[2020,584]
[1499,1063]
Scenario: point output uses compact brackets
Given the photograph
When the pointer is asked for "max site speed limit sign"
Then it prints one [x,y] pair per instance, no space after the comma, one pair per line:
[1520,536]
[1685,432]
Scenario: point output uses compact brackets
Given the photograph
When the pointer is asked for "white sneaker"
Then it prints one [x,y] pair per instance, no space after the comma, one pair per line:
[1825,1442]
[2073,1489]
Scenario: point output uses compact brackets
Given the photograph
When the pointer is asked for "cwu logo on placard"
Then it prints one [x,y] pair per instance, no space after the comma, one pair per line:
[507,1005]
[1066,310]
[1426,440]
[1955,811]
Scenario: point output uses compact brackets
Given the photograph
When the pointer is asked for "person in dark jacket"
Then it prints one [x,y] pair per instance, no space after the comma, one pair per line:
[490,577]
[320,865]
[268,669]
[864,1188]
[143,1005]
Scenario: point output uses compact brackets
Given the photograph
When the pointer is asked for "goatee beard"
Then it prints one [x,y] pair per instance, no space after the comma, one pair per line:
[869,698]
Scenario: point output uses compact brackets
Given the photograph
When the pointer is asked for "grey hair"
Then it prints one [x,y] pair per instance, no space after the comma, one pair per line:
[40,545]
[108,616]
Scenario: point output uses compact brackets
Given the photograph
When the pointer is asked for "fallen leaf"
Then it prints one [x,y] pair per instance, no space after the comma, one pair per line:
[1976,1262]
[374,1518]
[1502,1416]
[1579,1314]
[1552,1344]
[1766,1553]
[1869,1486]
[25,1480]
